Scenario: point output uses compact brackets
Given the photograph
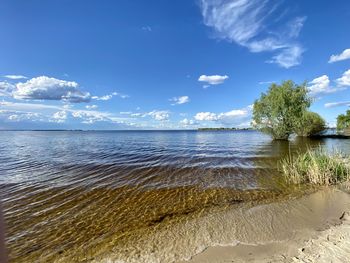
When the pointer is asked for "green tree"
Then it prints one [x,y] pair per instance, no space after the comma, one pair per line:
[310,124]
[278,111]
[343,121]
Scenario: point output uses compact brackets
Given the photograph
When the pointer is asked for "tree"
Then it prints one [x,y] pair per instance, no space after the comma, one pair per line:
[343,121]
[279,110]
[310,124]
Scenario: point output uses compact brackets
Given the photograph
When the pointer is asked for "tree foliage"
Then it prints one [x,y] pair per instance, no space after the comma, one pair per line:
[279,111]
[310,124]
[343,121]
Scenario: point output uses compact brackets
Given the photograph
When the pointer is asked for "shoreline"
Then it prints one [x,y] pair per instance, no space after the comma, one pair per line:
[322,243]
[271,232]
[330,245]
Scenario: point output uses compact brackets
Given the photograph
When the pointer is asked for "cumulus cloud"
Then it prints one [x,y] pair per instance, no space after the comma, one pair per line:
[159,115]
[180,100]
[206,116]
[344,80]
[6,88]
[16,116]
[186,122]
[46,88]
[337,104]
[89,117]
[15,77]
[342,56]
[256,25]
[213,79]
[60,116]
[91,107]
[320,85]
[233,114]
[224,117]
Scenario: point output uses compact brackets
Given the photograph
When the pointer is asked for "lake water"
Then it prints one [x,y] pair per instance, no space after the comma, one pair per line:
[71,196]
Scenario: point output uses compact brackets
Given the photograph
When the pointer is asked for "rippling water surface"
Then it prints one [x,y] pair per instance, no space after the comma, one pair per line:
[72,196]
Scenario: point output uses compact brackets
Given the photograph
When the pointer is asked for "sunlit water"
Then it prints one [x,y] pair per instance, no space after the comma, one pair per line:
[83,196]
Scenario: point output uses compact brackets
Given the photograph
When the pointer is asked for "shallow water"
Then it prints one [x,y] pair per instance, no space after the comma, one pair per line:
[78,196]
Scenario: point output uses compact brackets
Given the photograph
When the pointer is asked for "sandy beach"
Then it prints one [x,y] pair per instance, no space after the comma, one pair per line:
[325,242]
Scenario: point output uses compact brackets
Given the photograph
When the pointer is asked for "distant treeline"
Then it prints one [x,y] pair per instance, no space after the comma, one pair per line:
[225,129]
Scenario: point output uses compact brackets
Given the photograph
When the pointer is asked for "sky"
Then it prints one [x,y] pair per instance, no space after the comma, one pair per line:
[161,64]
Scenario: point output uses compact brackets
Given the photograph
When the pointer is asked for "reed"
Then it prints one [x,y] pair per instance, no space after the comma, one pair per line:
[316,167]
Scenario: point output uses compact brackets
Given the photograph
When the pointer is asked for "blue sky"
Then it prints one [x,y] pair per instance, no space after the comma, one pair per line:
[166,64]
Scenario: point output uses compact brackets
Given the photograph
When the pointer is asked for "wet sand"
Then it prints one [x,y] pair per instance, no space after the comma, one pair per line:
[318,233]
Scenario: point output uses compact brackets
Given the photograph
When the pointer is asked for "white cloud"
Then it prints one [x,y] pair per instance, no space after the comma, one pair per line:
[180,100]
[15,77]
[343,56]
[104,97]
[17,116]
[320,85]
[159,115]
[91,107]
[206,116]
[337,104]
[89,117]
[60,116]
[67,106]
[24,116]
[110,96]
[224,116]
[51,113]
[46,88]
[288,57]
[232,114]
[138,114]
[186,122]
[247,23]
[344,80]
[6,89]
[212,80]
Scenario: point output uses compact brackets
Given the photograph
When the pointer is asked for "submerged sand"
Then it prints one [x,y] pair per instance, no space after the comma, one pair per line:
[267,232]
[258,229]
[328,240]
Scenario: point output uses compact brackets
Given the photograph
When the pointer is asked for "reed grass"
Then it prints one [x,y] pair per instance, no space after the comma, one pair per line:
[316,167]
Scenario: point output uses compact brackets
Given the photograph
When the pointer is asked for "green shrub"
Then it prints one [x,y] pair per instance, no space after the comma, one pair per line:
[310,124]
[343,121]
[316,167]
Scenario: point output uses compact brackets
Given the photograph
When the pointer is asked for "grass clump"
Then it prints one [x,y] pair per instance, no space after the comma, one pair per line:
[316,167]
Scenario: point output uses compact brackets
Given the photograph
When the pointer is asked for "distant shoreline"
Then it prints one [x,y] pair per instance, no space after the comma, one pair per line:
[226,129]
[81,130]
